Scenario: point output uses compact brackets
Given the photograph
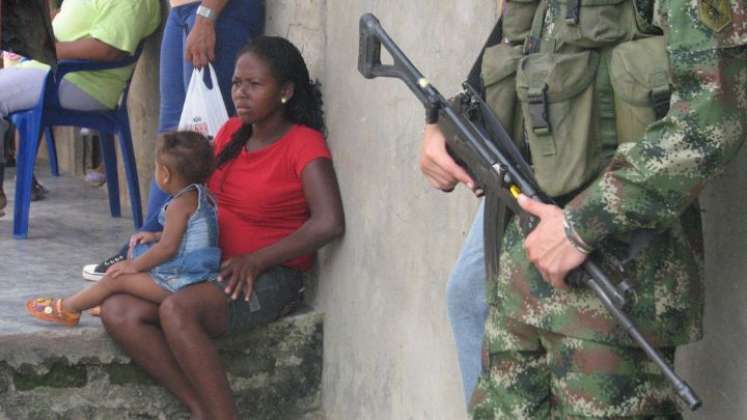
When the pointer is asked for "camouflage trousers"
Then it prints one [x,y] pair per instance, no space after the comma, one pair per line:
[530,373]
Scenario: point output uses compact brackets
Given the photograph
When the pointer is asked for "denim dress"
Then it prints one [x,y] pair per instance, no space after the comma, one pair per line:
[198,257]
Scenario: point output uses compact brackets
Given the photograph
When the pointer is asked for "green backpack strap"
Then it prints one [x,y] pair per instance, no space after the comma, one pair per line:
[605,103]
[534,41]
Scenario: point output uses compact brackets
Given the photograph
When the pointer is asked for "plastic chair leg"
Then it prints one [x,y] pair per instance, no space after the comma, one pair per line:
[112,179]
[52,151]
[29,128]
[130,167]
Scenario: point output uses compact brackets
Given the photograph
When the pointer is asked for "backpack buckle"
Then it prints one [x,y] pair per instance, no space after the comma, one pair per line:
[573,12]
[537,100]
[531,45]
[659,100]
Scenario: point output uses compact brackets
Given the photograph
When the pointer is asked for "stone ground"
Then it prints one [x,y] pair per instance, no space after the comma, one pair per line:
[71,227]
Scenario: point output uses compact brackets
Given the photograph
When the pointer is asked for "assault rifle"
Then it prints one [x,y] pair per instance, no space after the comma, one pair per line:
[477,140]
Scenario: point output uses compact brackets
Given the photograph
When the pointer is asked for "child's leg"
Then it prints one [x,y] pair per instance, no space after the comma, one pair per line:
[137,284]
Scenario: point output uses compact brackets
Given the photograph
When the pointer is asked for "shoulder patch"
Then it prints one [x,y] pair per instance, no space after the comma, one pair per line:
[715,14]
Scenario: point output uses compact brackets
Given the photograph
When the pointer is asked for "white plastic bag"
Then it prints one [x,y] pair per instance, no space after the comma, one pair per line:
[204,110]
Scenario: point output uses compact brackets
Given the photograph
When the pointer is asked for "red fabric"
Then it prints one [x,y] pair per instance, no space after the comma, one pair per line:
[260,195]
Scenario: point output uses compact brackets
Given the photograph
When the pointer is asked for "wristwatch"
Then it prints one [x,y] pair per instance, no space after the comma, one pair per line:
[206,12]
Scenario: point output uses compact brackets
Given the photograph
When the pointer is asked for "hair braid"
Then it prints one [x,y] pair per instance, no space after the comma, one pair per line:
[234,146]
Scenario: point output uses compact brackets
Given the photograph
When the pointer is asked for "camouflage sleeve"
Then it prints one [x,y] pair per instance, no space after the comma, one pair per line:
[650,182]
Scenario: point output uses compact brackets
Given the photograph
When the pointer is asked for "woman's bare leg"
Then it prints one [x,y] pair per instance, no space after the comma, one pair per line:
[133,324]
[140,285]
[189,318]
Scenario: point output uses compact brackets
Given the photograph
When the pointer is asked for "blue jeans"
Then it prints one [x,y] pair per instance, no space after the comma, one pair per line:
[239,21]
[466,304]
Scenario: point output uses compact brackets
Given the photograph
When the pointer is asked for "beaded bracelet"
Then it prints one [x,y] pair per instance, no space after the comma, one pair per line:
[574,239]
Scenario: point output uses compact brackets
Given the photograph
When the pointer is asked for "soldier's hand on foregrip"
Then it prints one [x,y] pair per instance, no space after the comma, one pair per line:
[437,165]
[527,222]
[547,246]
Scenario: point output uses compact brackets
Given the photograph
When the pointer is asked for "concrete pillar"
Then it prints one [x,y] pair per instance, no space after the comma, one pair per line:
[143,110]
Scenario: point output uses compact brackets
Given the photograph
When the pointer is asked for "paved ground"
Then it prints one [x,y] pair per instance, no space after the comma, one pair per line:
[69,228]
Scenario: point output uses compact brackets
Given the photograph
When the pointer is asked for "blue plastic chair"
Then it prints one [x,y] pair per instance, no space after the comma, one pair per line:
[48,113]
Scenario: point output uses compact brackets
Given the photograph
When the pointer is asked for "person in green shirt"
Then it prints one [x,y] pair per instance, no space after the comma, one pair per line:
[97,30]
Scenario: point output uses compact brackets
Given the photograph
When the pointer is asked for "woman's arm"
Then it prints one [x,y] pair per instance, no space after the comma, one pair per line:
[88,49]
[326,222]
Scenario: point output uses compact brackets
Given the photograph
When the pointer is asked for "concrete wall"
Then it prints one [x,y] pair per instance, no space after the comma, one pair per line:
[389,353]
[716,366]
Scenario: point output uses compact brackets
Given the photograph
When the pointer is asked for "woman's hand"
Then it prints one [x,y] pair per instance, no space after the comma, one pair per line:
[238,275]
[142,238]
[122,267]
[547,246]
[200,47]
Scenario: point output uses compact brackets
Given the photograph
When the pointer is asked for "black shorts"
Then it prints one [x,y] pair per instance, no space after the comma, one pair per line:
[277,292]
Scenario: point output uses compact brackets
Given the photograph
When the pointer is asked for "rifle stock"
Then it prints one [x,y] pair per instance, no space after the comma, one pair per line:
[496,165]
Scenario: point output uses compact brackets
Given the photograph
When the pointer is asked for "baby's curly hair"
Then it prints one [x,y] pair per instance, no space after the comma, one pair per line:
[188,154]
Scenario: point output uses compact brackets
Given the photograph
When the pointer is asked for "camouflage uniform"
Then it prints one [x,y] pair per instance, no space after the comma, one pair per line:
[552,353]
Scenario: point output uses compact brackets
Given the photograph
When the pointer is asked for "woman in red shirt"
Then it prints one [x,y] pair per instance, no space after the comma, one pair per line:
[278,202]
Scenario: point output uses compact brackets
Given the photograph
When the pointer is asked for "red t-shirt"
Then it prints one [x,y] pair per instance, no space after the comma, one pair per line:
[260,195]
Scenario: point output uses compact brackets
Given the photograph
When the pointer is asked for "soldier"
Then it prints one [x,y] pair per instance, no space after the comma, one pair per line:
[628,108]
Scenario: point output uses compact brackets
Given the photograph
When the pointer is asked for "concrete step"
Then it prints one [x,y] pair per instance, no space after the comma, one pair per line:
[79,373]
[54,373]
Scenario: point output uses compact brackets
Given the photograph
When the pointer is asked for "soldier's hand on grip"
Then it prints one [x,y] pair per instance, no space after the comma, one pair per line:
[437,165]
[547,246]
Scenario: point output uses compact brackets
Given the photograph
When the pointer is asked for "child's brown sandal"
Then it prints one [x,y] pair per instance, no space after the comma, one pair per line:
[49,309]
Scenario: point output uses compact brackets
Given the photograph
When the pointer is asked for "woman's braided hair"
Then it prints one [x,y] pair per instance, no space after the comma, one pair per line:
[287,65]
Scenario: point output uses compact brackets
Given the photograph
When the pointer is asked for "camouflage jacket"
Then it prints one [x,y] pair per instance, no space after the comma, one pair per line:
[652,183]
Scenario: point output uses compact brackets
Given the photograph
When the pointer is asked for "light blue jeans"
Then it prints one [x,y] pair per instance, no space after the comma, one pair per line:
[239,21]
[467,307]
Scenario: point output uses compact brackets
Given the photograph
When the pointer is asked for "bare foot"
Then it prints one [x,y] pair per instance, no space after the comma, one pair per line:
[95,311]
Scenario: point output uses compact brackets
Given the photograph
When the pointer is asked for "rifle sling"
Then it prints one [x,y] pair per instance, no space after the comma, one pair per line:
[473,78]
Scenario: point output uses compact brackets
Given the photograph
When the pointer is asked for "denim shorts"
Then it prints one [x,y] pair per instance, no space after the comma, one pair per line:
[277,292]
[183,270]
